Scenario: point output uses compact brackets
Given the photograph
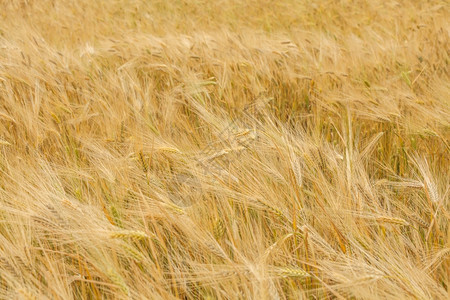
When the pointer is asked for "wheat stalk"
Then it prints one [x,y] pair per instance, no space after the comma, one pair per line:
[131,234]
[219,229]
[133,252]
[118,280]
[291,272]
[392,220]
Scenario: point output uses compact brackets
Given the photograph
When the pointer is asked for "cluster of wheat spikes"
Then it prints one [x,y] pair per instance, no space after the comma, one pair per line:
[224,149]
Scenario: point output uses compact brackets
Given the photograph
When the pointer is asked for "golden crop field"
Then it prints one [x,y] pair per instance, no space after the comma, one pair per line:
[196,149]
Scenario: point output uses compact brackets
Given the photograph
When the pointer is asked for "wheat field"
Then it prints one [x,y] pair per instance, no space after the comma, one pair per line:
[230,149]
